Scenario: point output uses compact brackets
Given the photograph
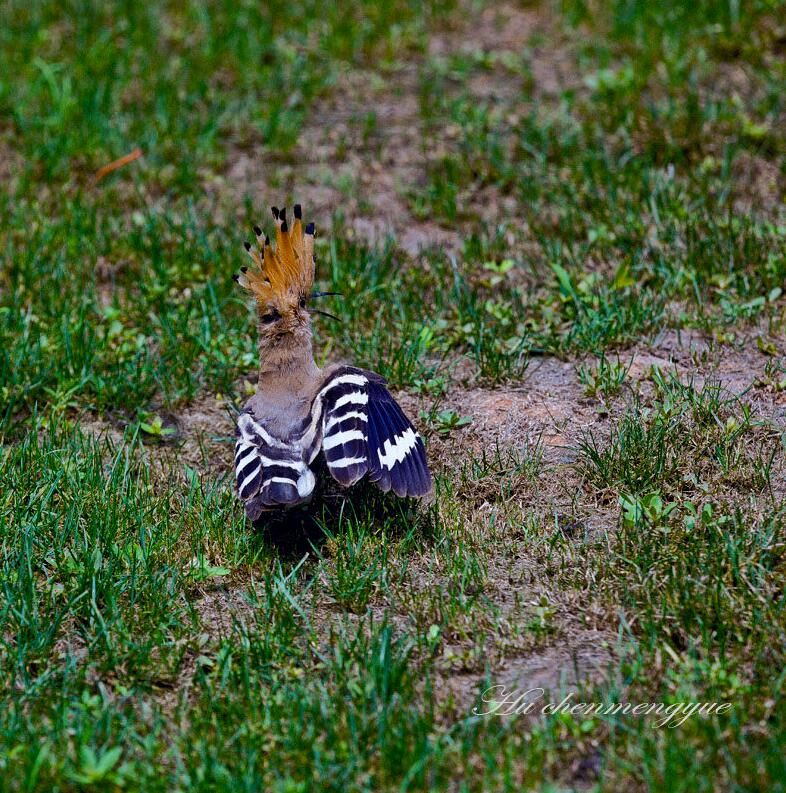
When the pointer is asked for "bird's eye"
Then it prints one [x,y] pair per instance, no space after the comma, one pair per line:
[302,302]
[271,316]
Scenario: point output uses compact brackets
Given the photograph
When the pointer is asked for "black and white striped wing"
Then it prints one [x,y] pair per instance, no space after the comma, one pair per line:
[345,426]
[269,473]
[364,431]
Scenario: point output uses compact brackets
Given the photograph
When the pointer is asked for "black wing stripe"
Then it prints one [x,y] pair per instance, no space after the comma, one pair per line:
[282,472]
[250,461]
[277,491]
[349,454]
[250,482]
[351,420]
[350,474]
[377,472]
[279,455]
[243,452]
[249,465]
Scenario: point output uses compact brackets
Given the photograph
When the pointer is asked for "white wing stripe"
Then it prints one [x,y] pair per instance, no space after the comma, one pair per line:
[353,398]
[243,450]
[283,479]
[398,449]
[310,433]
[345,379]
[298,465]
[341,438]
[345,462]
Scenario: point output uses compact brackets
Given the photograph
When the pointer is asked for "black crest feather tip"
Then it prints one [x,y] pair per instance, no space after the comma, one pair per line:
[284,270]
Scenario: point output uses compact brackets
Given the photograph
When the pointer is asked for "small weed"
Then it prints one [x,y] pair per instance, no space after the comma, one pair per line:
[445,421]
[605,378]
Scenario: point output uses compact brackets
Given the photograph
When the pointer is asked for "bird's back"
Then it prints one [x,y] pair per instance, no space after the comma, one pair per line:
[352,419]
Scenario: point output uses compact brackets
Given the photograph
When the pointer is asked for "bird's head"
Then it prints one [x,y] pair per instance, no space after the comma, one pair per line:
[281,279]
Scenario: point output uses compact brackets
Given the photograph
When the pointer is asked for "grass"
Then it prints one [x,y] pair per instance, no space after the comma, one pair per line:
[606,377]
[150,640]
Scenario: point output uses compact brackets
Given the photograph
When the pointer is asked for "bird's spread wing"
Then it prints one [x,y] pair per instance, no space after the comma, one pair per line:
[269,473]
[364,431]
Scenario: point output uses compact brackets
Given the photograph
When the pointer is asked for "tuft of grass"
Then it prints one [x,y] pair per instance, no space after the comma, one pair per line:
[606,377]
[639,455]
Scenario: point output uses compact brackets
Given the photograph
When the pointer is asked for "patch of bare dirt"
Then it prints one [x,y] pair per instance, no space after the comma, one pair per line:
[580,659]
[760,185]
[501,29]
[365,146]
[739,368]
[208,434]
[548,404]
[11,166]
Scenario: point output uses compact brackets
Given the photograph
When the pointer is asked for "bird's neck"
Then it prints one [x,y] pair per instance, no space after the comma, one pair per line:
[286,368]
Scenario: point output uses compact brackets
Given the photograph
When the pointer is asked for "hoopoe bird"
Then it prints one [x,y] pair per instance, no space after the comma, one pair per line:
[300,411]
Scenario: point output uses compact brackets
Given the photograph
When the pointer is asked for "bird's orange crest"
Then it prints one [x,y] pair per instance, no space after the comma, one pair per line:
[283,273]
